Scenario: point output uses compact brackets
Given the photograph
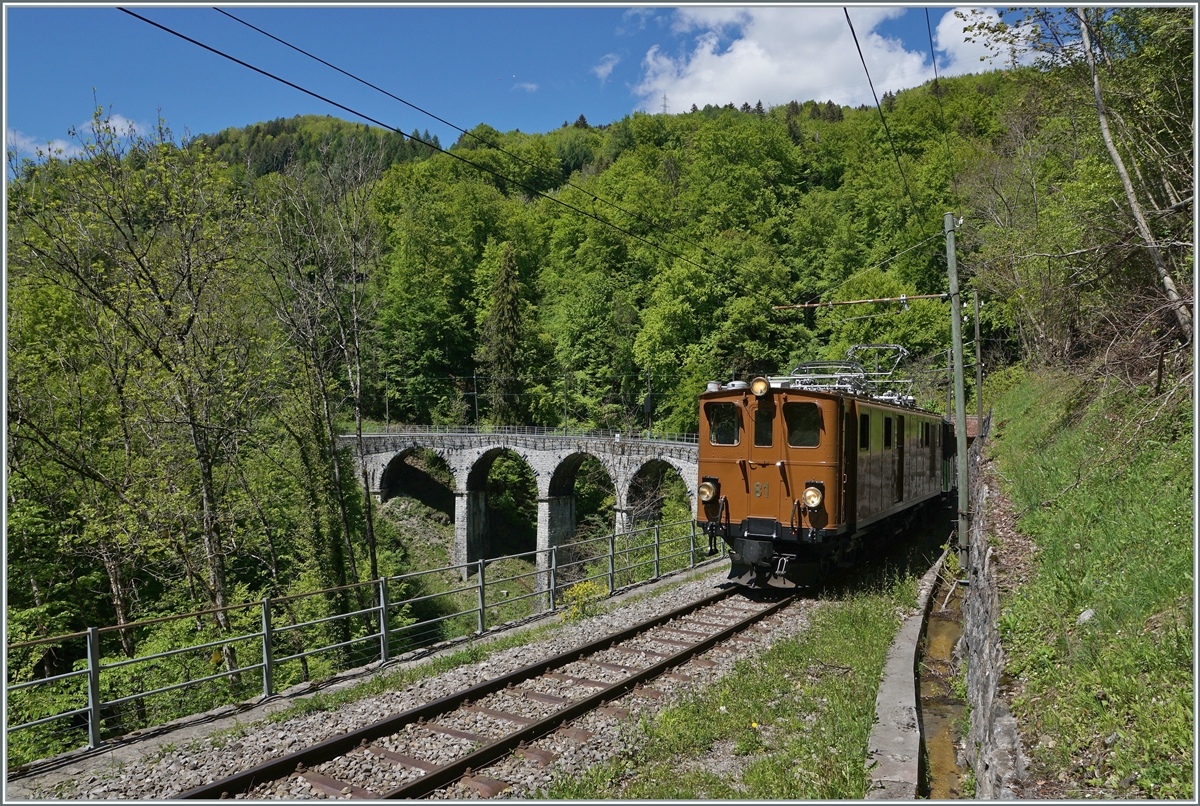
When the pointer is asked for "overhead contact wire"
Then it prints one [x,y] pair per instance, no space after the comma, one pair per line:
[381,124]
[916,207]
[461,130]
[878,265]
[938,94]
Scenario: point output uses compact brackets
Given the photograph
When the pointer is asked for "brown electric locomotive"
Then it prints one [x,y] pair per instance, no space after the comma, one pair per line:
[795,469]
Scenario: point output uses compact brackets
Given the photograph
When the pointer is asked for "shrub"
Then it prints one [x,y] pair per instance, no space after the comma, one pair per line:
[583,599]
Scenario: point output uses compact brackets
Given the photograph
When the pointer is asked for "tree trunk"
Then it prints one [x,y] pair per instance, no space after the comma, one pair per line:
[1181,312]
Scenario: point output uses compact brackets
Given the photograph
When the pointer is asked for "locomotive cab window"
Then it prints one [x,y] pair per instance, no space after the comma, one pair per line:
[803,424]
[724,423]
[864,432]
[887,432]
[764,426]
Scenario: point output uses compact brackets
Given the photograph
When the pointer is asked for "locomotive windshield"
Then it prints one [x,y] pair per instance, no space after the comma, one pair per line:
[724,423]
[803,424]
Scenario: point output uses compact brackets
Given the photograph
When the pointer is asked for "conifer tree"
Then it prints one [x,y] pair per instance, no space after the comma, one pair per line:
[501,341]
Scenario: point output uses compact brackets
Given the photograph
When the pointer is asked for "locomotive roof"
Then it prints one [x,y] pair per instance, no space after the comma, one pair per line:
[892,398]
[845,379]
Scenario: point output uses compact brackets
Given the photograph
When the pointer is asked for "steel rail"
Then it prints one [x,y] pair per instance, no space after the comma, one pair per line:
[343,743]
[489,754]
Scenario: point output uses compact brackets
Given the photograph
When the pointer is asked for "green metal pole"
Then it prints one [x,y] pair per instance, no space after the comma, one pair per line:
[93,678]
[960,405]
[268,674]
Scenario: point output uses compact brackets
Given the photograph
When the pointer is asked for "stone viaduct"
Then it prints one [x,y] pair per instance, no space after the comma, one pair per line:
[554,456]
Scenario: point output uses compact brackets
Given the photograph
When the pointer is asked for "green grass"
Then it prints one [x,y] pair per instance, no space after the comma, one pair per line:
[1103,479]
[796,719]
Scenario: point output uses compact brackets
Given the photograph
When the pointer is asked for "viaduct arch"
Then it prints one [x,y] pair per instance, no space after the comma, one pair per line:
[553,456]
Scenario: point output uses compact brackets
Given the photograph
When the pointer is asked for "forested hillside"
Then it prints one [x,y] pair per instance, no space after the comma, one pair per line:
[191,326]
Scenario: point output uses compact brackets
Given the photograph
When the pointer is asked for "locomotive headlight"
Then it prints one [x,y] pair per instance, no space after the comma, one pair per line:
[760,386]
[812,497]
[707,491]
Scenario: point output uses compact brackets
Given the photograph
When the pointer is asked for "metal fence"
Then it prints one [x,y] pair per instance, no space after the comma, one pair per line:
[296,638]
[528,430]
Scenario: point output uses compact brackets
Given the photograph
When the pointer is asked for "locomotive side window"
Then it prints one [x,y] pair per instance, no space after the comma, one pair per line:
[803,424]
[887,432]
[864,432]
[764,426]
[724,423]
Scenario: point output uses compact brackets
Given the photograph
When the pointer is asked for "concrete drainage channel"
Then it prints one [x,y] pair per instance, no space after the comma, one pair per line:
[908,734]
[942,694]
[959,618]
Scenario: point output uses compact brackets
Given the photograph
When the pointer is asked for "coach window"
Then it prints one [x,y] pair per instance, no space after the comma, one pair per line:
[803,424]
[724,423]
[887,432]
[864,432]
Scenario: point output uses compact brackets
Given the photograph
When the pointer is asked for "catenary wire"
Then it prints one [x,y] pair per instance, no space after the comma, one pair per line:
[485,142]
[499,175]
[381,124]
[937,84]
[916,207]
[877,265]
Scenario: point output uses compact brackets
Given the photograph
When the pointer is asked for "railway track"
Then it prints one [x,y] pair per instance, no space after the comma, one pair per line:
[424,749]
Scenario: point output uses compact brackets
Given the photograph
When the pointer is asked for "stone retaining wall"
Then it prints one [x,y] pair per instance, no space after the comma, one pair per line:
[993,743]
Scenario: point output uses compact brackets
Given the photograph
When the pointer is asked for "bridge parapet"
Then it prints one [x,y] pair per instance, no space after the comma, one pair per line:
[528,430]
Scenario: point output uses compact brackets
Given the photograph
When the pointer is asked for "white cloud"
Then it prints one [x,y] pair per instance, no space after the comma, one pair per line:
[604,69]
[122,125]
[791,53]
[37,149]
[525,85]
[635,19]
[32,148]
[962,56]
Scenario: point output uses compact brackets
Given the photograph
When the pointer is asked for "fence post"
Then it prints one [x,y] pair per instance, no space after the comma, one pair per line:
[657,536]
[93,659]
[268,672]
[548,580]
[553,577]
[692,547]
[612,563]
[481,598]
[383,620]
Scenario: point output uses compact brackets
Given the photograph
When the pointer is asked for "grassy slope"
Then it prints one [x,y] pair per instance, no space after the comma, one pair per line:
[1103,479]
[791,724]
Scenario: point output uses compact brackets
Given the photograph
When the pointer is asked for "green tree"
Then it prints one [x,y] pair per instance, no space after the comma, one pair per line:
[149,242]
[500,342]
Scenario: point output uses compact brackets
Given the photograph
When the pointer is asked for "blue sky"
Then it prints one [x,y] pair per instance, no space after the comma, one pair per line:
[511,67]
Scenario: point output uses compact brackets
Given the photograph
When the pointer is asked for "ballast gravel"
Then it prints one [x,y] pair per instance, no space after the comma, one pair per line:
[169,770]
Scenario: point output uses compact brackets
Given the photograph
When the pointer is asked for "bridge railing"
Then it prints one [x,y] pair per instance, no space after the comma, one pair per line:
[256,648]
[529,430]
